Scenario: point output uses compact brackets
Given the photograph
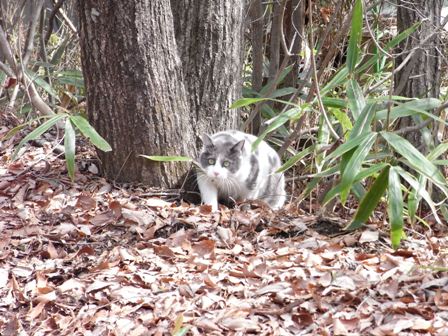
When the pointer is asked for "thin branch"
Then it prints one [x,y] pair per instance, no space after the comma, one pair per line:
[410,129]
[6,69]
[316,86]
[6,50]
[403,63]
[51,17]
[37,7]
[374,38]
[68,22]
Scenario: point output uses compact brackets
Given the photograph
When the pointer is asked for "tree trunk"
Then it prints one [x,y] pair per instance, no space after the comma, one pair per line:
[138,95]
[420,77]
[210,40]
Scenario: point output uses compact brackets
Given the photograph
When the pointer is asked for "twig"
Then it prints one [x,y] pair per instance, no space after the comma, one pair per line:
[6,69]
[13,98]
[373,36]
[51,17]
[69,23]
[410,129]
[296,132]
[6,50]
[286,50]
[43,54]
[37,7]
[34,97]
[316,84]
[403,63]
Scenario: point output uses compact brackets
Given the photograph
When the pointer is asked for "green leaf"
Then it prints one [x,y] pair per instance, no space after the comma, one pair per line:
[370,171]
[42,83]
[359,177]
[415,159]
[363,123]
[389,46]
[69,145]
[323,137]
[395,207]
[292,161]
[71,77]
[276,122]
[414,107]
[334,102]
[90,133]
[343,119]
[439,150]
[162,158]
[283,92]
[246,101]
[347,146]
[370,200]
[38,132]
[266,88]
[355,97]
[420,191]
[355,36]
[339,78]
[354,165]
[414,198]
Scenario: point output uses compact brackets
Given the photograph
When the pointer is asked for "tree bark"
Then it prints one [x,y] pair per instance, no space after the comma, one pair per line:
[420,77]
[210,39]
[135,95]
[159,75]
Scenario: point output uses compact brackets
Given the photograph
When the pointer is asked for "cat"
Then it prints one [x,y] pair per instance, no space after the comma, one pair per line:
[229,168]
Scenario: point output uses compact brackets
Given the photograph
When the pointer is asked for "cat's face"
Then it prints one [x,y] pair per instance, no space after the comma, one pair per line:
[220,160]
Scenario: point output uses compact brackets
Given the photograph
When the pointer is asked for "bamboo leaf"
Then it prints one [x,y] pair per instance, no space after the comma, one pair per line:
[276,122]
[38,132]
[438,151]
[346,146]
[389,46]
[355,36]
[246,101]
[364,121]
[339,78]
[283,92]
[343,119]
[292,161]
[420,192]
[355,97]
[395,207]
[334,102]
[161,158]
[70,148]
[415,159]
[42,83]
[354,165]
[90,133]
[414,107]
[359,177]
[370,200]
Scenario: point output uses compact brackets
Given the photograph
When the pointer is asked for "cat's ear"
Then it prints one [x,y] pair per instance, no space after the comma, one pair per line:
[238,147]
[207,141]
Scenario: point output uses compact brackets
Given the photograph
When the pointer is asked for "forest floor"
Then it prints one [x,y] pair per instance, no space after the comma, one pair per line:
[91,258]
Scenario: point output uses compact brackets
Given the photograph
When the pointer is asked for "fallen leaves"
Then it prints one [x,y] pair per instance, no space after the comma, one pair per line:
[90,258]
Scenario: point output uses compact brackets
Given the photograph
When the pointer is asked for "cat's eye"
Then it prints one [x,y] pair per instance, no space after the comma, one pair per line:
[211,162]
[226,163]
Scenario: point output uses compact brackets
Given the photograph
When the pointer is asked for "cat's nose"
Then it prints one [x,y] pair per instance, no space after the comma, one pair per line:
[216,173]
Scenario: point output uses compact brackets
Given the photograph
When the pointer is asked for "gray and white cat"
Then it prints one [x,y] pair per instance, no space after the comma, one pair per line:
[230,169]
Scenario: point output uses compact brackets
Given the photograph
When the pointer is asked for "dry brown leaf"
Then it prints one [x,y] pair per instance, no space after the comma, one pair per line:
[205,248]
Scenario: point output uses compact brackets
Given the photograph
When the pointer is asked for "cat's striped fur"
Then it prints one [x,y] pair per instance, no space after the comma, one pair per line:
[231,169]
